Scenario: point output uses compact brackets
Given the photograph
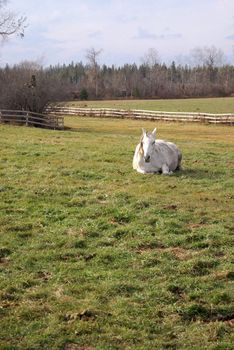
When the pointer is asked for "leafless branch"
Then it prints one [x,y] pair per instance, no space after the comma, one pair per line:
[10,22]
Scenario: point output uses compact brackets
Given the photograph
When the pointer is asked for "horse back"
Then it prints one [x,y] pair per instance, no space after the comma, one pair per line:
[168,152]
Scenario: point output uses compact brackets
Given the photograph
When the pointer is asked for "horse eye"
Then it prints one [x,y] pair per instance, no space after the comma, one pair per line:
[153,143]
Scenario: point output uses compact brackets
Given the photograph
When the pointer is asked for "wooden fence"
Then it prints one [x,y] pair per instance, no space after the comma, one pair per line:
[144,114]
[27,118]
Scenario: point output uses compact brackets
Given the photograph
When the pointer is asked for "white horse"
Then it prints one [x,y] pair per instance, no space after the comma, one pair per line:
[155,156]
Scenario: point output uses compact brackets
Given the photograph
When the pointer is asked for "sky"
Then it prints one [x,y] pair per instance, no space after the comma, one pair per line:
[61,31]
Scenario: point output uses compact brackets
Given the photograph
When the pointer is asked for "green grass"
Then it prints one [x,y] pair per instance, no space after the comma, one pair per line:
[96,256]
[206,105]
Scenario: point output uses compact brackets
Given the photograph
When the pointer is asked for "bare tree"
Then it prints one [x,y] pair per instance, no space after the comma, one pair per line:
[92,57]
[151,58]
[208,56]
[28,86]
[151,62]
[10,22]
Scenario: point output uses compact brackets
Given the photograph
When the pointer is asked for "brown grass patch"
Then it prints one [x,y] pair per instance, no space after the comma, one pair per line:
[178,252]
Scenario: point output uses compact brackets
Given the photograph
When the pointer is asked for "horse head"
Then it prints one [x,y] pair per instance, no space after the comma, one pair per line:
[147,144]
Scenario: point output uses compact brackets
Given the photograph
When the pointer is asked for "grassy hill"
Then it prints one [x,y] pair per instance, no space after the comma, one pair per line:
[96,256]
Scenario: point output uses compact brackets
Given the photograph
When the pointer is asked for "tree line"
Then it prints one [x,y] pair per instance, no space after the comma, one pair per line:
[207,76]
[30,86]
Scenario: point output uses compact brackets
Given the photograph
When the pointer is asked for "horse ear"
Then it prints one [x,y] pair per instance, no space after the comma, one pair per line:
[154,132]
[143,131]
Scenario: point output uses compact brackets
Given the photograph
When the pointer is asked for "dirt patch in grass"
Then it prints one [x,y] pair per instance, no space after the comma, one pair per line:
[206,314]
[183,254]
[192,226]
[85,315]
[73,346]
[178,252]
[4,261]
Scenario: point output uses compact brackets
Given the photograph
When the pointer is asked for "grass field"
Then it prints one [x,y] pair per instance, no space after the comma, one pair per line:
[96,256]
[206,105]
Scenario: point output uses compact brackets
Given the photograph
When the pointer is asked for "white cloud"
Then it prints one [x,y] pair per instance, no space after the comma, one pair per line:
[144,34]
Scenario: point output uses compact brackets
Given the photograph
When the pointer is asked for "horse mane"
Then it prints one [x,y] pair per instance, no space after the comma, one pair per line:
[140,151]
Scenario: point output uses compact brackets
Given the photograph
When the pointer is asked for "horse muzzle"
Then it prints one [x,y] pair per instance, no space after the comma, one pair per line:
[147,159]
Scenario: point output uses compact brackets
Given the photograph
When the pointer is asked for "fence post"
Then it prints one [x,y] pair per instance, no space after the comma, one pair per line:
[0,116]
[27,119]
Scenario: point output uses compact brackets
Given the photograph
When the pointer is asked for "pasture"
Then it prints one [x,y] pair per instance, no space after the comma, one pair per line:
[94,255]
[205,105]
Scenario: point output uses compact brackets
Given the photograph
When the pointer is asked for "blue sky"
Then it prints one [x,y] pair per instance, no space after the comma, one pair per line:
[61,31]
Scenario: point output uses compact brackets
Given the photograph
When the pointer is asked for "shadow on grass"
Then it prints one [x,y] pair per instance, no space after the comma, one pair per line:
[199,173]
[78,129]
[69,128]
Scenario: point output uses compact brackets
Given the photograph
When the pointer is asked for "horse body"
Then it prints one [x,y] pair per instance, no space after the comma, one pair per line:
[154,156]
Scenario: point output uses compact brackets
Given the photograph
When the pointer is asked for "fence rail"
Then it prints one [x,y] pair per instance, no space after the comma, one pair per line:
[28,118]
[144,114]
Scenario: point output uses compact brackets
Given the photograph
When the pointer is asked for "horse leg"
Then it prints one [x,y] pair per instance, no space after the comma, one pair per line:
[166,170]
[139,170]
[179,167]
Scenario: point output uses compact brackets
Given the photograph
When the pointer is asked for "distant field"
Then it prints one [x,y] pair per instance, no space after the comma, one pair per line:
[96,256]
[208,105]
